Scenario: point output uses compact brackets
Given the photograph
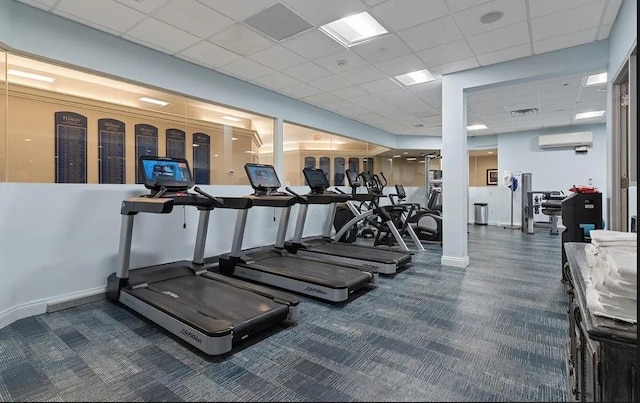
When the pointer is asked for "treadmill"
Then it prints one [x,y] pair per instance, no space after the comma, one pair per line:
[385,261]
[207,310]
[275,265]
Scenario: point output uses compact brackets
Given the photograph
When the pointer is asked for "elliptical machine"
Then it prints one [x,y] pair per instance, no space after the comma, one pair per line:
[425,222]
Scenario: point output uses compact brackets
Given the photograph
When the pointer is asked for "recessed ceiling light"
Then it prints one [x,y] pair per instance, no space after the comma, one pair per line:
[405,153]
[234,138]
[354,29]
[24,74]
[231,118]
[249,152]
[587,115]
[411,159]
[27,139]
[415,77]
[396,156]
[476,127]
[596,79]
[196,145]
[491,17]
[489,152]
[154,101]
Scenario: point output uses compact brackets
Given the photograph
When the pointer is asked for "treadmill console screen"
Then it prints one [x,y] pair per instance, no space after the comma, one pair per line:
[352,177]
[262,177]
[172,173]
[316,178]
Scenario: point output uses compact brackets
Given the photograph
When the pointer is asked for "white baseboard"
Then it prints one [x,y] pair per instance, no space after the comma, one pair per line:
[38,307]
[455,261]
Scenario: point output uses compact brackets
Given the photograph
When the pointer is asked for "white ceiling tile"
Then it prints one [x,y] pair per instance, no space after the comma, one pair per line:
[486,107]
[554,95]
[161,35]
[566,22]
[373,3]
[208,54]
[539,8]
[241,40]
[503,128]
[430,34]
[322,99]
[593,96]
[597,105]
[417,107]
[430,92]
[349,59]
[353,110]
[603,32]
[41,4]
[517,90]
[377,86]
[278,57]
[330,83]
[363,74]
[192,17]
[401,65]
[558,105]
[482,96]
[504,55]
[338,106]
[515,102]
[496,118]
[301,90]
[501,38]
[564,41]
[555,123]
[398,95]
[565,84]
[451,52]
[96,26]
[244,67]
[276,80]
[452,67]
[312,44]
[325,11]
[401,14]
[146,6]
[366,100]
[379,49]
[459,5]
[307,71]
[106,13]
[611,12]
[237,10]
[469,20]
[349,92]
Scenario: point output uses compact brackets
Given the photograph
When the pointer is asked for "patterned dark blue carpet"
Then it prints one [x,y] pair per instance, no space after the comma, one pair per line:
[494,331]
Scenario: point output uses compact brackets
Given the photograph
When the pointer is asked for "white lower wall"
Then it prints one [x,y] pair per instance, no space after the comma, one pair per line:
[59,242]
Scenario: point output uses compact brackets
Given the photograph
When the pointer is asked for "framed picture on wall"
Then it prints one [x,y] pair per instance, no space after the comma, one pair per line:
[492,177]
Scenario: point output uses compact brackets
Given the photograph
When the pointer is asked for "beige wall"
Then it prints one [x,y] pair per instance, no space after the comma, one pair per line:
[31,139]
[478,166]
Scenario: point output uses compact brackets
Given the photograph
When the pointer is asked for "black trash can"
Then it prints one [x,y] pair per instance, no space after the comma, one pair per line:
[481,213]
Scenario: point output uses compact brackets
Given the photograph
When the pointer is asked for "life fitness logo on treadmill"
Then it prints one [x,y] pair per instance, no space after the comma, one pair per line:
[190,335]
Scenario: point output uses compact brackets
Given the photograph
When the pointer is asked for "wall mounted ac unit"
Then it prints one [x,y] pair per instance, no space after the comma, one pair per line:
[566,140]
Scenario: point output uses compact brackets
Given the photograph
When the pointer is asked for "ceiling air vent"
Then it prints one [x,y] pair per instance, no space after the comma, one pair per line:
[525,112]
[278,22]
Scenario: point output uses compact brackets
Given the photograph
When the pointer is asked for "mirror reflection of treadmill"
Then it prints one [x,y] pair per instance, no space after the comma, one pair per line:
[207,310]
[274,265]
[385,261]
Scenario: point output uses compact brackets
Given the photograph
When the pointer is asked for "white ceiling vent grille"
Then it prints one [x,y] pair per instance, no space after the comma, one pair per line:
[525,112]
[577,139]
[278,22]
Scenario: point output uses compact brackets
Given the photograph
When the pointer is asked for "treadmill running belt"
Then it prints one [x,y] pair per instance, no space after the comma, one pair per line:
[376,255]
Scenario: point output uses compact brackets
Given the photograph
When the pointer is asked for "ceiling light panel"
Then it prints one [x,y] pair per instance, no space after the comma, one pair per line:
[354,29]
[32,76]
[154,101]
[415,77]
[588,115]
[476,127]
[596,79]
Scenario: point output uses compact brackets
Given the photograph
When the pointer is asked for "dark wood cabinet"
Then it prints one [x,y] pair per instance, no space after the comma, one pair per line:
[601,354]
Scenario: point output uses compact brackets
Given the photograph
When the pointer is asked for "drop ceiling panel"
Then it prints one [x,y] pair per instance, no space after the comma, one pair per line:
[325,11]
[301,90]
[161,35]
[237,10]
[349,92]
[611,11]
[565,41]
[363,75]
[502,38]
[402,14]
[452,67]
[208,54]
[105,13]
[278,22]
[312,44]
[278,57]
[276,80]
[431,34]
[469,20]
[41,4]
[241,40]
[504,55]
[511,103]
[459,5]
[603,32]
[323,99]
[487,107]
[563,23]
[517,90]
[366,100]
[451,52]
[246,68]
[307,71]
[348,61]
[539,8]
[385,48]
[330,83]
[401,65]
[146,6]
[377,86]
[192,17]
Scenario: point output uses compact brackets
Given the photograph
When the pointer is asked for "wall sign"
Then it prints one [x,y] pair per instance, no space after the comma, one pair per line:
[146,144]
[202,158]
[70,147]
[176,143]
[111,151]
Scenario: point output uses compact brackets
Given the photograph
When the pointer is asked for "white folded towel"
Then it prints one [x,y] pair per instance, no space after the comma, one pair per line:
[602,305]
[600,237]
